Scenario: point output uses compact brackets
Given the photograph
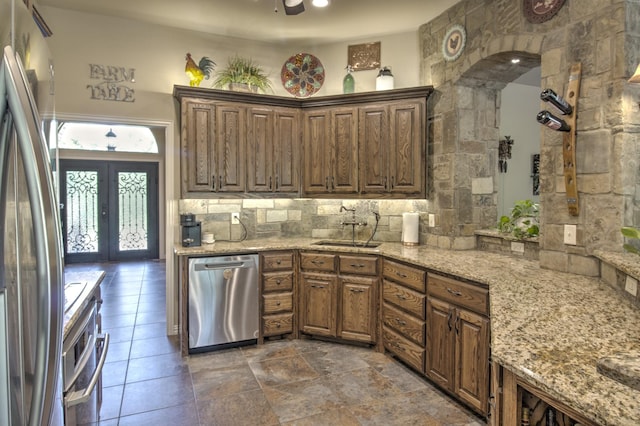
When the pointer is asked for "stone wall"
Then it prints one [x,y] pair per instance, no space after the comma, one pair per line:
[463,117]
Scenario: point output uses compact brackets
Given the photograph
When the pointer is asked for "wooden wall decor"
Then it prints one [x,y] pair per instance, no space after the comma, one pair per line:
[569,141]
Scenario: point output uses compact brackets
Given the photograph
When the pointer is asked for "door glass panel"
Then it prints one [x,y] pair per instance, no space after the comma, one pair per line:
[132,218]
[82,211]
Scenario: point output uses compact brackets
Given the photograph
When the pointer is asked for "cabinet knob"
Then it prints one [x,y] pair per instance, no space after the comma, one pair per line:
[278,281]
[454,292]
[278,303]
[277,325]
[278,261]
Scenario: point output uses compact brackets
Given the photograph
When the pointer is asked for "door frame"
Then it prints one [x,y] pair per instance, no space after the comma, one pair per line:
[169,189]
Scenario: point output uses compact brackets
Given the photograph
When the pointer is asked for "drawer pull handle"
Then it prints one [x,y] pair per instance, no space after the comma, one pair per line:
[317,286]
[449,319]
[357,265]
[356,290]
[397,346]
[401,296]
[455,293]
[399,321]
[318,262]
[401,275]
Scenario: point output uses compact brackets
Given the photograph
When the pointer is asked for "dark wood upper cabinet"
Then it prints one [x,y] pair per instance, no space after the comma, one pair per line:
[273,144]
[370,144]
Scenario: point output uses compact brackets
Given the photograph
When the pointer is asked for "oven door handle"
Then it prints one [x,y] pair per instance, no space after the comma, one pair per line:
[83,395]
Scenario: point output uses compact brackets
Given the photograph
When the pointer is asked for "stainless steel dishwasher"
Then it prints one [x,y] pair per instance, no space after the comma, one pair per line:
[223,302]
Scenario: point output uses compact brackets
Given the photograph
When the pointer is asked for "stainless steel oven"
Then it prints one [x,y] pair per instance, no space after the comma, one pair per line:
[84,352]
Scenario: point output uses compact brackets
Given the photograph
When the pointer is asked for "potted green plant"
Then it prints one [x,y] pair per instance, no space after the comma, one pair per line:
[523,221]
[633,235]
[242,74]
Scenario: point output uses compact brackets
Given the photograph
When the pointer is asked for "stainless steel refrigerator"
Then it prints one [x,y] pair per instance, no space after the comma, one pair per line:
[31,269]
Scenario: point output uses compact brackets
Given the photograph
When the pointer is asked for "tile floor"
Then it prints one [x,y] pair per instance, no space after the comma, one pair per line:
[301,382]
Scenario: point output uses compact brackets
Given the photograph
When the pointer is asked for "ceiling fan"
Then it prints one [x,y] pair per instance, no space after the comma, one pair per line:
[295,7]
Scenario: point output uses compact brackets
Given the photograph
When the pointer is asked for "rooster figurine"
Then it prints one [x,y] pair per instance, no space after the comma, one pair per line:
[200,71]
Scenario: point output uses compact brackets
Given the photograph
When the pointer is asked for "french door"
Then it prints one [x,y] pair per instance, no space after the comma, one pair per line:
[109,210]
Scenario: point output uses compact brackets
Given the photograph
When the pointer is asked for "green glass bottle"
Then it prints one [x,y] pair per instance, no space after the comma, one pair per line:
[348,82]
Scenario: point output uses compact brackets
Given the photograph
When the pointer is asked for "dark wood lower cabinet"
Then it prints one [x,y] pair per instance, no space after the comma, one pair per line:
[318,307]
[458,341]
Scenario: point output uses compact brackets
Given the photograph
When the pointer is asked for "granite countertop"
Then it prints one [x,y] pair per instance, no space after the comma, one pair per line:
[92,280]
[550,328]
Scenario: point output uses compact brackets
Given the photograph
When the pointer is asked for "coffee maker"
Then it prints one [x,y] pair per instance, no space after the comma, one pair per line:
[191,230]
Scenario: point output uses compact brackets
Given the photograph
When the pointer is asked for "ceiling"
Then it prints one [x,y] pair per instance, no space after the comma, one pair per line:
[341,21]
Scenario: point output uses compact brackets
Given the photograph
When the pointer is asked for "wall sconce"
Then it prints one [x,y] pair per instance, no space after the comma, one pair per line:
[635,78]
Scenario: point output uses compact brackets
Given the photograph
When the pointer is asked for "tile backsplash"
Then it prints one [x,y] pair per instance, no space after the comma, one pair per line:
[305,218]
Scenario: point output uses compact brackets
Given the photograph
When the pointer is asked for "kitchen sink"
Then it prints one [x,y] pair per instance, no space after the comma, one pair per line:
[343,243]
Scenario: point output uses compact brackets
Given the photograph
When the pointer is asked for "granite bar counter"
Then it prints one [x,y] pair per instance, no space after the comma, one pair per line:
[547,327]
[91,280]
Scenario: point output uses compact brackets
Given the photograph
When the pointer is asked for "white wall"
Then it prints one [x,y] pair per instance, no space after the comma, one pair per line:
[518,109]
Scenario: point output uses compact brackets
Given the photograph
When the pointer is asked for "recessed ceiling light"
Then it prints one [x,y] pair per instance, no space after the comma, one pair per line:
[320,3]
[515,61]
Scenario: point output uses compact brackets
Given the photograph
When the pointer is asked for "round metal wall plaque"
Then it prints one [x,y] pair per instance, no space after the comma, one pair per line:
[454,42]
[538,11]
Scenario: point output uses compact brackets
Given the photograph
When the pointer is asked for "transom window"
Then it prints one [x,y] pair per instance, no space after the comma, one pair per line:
[103,137]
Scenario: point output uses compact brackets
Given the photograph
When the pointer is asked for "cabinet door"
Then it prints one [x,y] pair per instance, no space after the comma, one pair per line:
[318,304]
[198,154]
[373,138]
[406,156]
[472,359]
[317,152]
[260,150]
[230,147]
[358,309]
[287,151]
[440,342]
[344,135]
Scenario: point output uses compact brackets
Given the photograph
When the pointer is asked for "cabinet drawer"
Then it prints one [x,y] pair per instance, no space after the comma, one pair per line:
[462,294]
[277,302]
[406,325]
[276,261]
[361,265]
[405,350]
[277,281]
[317,262]
[277,324]
[406,275]
[407,299]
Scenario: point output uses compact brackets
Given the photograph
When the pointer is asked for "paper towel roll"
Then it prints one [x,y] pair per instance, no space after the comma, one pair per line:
[410,228]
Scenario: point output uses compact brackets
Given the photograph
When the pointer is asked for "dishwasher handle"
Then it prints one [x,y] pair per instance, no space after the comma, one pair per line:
[221,265]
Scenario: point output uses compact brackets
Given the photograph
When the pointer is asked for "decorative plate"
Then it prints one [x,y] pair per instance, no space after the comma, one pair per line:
[454,42]
[537,11]
[302,75]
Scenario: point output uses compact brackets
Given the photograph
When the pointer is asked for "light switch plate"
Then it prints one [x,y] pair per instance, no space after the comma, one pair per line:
[570,232]
[432,220]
